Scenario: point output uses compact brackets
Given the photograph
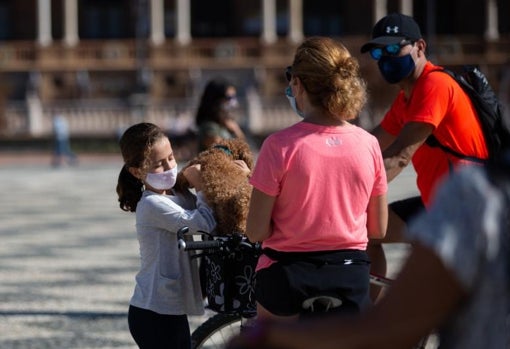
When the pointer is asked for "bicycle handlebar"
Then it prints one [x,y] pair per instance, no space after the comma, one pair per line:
[182,244]
[198,245]
[231,242]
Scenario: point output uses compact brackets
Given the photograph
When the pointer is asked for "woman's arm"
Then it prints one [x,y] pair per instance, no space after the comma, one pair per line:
[234,128]
[377,217]
[211,133]
[258,225]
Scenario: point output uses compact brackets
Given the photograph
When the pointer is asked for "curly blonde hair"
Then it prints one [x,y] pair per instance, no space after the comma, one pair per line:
[331,76]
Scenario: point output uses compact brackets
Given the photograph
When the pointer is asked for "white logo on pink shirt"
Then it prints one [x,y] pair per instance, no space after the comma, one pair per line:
[333,141]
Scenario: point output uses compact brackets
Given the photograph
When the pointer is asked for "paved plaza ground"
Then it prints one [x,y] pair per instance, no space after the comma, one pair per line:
[68,254]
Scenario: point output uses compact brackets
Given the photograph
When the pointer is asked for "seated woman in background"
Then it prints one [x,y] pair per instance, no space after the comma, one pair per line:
[213,119]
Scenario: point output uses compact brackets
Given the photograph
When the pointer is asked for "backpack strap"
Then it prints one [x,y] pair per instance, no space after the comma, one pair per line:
[432,140]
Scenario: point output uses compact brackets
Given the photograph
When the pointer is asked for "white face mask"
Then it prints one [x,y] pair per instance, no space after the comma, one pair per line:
[292,101]
[162,181]
[231,103]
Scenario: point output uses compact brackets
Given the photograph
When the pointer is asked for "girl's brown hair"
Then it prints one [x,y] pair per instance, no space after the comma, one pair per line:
[135,146]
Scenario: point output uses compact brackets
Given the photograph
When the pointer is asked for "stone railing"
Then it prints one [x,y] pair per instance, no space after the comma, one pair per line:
[232,53]
[108,118]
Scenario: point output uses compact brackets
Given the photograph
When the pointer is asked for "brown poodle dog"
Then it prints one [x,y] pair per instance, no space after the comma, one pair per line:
[225,185]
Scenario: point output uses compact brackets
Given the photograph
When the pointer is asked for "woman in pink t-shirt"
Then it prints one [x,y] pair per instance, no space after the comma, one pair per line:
[319,189]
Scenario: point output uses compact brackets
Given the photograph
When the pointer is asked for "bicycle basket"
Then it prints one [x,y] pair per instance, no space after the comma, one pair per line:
[230,278]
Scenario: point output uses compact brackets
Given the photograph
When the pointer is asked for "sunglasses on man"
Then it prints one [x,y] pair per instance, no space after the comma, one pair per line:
[390,50]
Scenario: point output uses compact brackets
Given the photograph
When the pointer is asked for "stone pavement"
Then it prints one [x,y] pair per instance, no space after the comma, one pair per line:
[68,254]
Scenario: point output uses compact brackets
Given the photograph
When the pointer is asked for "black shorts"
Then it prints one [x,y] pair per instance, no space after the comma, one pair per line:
[407,208]
[284,286]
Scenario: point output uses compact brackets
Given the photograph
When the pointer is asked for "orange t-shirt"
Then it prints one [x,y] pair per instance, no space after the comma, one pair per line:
[437,99]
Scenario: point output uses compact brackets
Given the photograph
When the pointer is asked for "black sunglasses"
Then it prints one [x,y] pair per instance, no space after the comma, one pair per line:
[392,50]
[288,73]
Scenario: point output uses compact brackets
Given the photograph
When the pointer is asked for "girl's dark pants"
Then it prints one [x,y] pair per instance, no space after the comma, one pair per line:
[151,330]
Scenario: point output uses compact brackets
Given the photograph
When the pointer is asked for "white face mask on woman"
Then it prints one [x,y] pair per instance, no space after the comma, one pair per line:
[162,181]
[292,102]
[231,103]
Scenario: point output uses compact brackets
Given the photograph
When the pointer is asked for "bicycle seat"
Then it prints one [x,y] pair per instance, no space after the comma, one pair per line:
[321,304]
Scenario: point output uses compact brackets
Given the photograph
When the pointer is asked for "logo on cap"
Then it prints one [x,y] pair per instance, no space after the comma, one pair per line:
[393,30]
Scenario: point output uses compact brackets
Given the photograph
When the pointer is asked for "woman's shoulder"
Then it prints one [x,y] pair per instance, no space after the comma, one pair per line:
[210,125]
[276,135]
[362,133]
[210,128]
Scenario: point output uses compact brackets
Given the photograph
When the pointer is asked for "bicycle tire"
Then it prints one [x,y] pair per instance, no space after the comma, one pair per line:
[216,331]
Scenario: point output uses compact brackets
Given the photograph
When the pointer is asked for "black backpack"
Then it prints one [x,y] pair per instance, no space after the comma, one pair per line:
[495,128]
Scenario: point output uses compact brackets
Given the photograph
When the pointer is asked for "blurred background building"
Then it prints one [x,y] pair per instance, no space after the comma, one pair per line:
[104,64]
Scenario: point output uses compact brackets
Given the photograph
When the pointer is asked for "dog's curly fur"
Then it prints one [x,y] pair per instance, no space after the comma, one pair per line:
[225,185]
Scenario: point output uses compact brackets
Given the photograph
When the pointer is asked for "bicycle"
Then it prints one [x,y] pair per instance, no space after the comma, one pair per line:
[228,321]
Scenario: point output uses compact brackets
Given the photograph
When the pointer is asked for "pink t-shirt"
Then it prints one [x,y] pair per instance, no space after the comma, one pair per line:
[322,178]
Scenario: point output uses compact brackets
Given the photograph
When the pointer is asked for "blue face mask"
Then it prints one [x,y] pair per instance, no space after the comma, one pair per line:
[395,69]
[292,102]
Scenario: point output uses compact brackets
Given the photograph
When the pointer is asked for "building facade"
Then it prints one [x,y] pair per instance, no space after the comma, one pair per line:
[105,64]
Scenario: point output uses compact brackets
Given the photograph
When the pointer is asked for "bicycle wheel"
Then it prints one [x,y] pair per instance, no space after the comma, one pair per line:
[216,331]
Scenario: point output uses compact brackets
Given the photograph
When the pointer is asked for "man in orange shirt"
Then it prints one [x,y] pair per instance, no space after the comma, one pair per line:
[429,103]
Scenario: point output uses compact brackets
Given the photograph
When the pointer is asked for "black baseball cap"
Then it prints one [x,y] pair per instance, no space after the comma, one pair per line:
[392,29]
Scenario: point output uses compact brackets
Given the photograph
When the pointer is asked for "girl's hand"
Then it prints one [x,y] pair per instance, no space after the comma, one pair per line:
[242,165]
[193,176]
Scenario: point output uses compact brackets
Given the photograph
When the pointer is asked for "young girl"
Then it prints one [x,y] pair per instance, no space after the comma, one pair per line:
[167,285]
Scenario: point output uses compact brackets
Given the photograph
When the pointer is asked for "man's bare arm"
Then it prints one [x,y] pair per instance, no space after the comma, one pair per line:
[398,154]
[384,138]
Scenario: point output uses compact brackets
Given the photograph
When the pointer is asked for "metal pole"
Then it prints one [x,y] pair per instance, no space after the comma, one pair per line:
[431,28]
[142,32]
[139,98]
